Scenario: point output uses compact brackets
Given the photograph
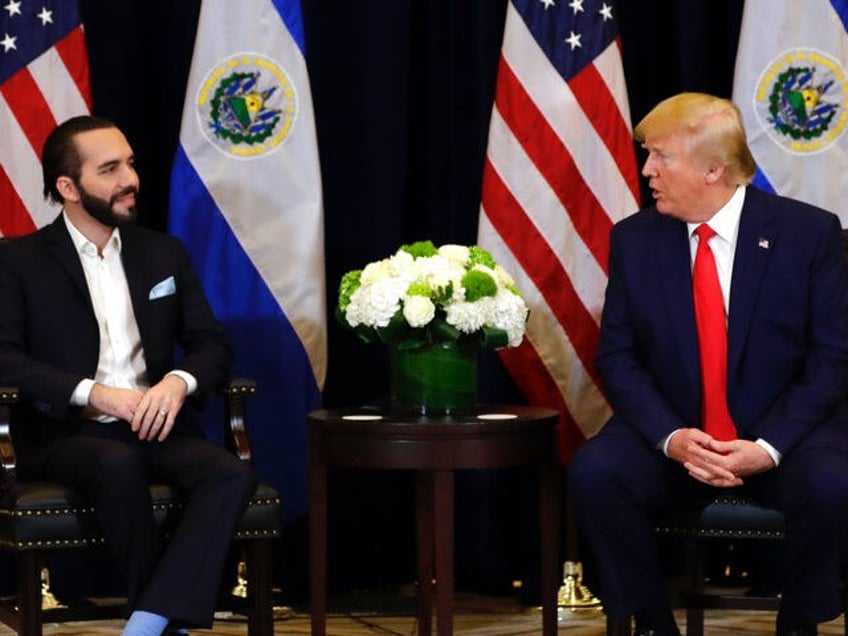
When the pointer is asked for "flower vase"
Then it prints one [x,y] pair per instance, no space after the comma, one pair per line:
[438,379]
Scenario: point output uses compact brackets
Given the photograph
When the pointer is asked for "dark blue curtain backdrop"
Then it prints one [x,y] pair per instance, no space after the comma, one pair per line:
[403,92]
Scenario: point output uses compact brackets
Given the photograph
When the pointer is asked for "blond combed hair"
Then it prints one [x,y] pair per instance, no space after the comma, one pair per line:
[713,126]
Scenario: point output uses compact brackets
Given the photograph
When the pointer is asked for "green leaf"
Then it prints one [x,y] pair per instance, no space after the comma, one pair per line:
[495,338]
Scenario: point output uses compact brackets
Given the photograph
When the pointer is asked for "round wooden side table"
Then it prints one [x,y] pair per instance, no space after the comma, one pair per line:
[434,447]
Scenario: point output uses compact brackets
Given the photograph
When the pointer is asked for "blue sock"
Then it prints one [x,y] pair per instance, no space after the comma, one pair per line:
[143,623]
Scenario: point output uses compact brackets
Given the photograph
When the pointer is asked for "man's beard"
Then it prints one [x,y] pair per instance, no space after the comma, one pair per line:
[101,210]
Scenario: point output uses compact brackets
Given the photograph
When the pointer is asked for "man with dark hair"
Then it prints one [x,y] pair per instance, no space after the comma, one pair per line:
[92,310]
[724,354]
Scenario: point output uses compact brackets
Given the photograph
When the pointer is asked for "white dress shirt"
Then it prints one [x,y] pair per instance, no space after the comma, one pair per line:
[121,362]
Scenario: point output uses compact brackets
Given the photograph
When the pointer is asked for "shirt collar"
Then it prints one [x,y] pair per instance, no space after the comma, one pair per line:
[85,246]
[725,222]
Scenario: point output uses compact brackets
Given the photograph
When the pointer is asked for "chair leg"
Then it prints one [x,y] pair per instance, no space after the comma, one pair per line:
[29,593]
[696,557]
[259,588]
[694,621]
[845,601]
[618,626]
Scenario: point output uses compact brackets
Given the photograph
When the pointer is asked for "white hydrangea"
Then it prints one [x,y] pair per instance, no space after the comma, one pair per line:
[378,270]
[510,314]
[374,304]
[384,287]
[418,310]
[437,272]
[402,265]
[470,317]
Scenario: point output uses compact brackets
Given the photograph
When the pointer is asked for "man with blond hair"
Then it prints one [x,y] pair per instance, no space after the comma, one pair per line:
[724,354]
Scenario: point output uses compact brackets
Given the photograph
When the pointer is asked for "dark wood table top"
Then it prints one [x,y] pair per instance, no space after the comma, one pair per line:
[483,437]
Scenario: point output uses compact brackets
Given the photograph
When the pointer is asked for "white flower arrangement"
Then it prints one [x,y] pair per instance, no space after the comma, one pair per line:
[423,295]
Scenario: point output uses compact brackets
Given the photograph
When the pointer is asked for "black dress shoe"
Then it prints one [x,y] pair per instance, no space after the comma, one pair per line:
[799,630]
[789,624]
[657,620]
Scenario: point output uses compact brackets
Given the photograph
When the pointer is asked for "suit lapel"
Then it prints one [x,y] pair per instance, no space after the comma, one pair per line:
[753,247]
[60,245]
[675,270]
[132,259]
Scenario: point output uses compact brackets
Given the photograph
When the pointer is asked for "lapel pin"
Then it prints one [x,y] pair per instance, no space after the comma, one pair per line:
[764,243]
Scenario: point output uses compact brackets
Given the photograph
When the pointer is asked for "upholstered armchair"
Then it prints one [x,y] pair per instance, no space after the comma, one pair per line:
[37,517]
[730,517]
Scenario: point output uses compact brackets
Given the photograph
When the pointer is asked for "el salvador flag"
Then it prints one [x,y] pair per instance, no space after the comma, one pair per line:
[246,200]
[791,84]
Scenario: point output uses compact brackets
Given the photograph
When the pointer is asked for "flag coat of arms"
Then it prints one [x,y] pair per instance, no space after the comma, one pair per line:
[560,171]
[246,200]
[43,81]
[791,85]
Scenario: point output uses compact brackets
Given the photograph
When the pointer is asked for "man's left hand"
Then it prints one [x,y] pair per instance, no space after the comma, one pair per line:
[156,413]
[739,457]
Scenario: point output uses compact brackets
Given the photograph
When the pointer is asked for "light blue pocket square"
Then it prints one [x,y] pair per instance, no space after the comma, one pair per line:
[163,288]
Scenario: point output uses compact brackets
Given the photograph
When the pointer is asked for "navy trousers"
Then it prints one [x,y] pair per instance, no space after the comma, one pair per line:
[620,486]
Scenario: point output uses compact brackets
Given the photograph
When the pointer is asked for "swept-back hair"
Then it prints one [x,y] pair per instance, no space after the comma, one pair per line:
[713,127]
[60,155]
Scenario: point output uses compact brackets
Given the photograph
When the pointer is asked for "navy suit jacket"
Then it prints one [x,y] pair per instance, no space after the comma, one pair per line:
[787,326]
[49,338]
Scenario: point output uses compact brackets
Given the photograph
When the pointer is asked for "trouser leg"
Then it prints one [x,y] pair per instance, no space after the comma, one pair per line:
[619,486]
[216,487]
[812,487]
[115,481]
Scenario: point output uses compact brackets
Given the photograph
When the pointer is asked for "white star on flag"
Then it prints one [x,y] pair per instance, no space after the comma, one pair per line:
[14,8]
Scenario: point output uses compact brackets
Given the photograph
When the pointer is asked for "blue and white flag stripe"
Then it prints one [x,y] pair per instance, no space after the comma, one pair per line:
[246,200]
[791,84]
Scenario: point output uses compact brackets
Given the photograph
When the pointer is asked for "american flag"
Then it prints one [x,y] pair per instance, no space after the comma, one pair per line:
[43,81]
[560,171]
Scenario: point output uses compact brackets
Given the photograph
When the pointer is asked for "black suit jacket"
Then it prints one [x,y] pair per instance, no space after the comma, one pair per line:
[49,338]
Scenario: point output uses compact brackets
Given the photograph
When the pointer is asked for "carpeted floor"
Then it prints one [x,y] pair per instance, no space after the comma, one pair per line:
[366,614]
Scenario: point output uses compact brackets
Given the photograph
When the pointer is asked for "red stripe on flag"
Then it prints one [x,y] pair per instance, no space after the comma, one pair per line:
[72,50]
[539,387]
[540,263]
[554,161]
[598,103]
[29,107]
[14,220]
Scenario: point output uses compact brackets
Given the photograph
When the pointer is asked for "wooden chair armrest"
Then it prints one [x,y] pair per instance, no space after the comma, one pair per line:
[8,460]
[237,392]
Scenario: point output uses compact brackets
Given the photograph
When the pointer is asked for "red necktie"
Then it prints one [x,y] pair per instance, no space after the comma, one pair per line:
[712,339]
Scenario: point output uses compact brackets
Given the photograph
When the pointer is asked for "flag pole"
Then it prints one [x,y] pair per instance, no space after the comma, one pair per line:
[573,595]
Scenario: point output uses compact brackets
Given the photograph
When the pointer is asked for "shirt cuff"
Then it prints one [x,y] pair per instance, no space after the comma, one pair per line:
[190,380]
[664,443]
[771,450]
[80,395]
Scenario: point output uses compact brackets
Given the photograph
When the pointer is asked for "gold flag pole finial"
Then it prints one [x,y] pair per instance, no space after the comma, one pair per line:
[48,600]
[573,596]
